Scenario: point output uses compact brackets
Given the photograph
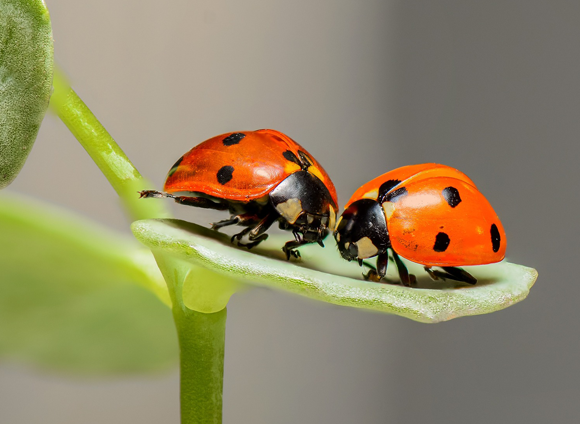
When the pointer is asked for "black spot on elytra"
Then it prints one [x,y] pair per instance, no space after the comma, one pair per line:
[305,160]
[175,166]
[441,242]
[225,174]
[289,155]
[395,195]
[451,195]
[495,237]
[385,188]
[234,138]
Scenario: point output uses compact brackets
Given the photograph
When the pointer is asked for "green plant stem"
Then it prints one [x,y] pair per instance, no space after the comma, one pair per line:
[201,336]
[201,346]
[201,342]
[104,151]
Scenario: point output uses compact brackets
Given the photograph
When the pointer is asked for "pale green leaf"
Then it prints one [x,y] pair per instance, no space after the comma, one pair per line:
[73,295]
[26,62]
[321,274]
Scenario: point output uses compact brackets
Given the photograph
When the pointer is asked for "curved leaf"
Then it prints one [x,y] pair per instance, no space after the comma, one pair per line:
[26,61]
[321,274]
[72,295]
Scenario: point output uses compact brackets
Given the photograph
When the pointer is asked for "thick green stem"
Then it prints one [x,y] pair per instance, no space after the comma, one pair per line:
[201,336]
[103,149]
[201,345]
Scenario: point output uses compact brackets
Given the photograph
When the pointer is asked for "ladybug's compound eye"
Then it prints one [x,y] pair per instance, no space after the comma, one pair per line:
[362,230]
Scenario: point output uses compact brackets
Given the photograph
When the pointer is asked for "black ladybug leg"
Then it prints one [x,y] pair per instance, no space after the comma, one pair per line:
[452,273]
[153,193]
[255,229]
[247,220]
[199,202]
[406,279]
[240,235]
[255,241]
[459,274]
[291,246]
[382,264]
[369,266]
[224,223]
[257,234]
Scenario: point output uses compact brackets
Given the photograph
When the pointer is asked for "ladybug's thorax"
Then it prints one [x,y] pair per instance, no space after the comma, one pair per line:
[305,204]
[362,230]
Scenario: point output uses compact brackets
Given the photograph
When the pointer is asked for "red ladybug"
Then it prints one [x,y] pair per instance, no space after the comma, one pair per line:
[260,177]
[430,214]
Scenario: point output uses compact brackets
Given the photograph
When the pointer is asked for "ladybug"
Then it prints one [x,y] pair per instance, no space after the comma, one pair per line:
[430,214]
[260,177]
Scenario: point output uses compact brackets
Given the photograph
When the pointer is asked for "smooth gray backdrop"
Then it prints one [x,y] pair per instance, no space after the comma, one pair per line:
[490,87]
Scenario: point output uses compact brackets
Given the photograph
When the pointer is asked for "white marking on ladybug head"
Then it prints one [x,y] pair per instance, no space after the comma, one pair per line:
[331,218]
[373,194]
[389,209]
[366,248]
[290,210]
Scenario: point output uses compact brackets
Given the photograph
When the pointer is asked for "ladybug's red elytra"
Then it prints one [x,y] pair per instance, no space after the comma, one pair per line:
[260,177]
[430,214]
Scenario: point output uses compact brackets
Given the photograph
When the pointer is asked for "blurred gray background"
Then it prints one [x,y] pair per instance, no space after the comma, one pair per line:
[490,87]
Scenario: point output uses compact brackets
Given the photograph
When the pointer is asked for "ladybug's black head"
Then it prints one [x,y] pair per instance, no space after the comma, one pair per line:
[362,230]
[305,205]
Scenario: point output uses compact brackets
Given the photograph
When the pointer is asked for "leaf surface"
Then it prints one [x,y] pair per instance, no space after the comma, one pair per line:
[76,298]
[26,63]
[322,275]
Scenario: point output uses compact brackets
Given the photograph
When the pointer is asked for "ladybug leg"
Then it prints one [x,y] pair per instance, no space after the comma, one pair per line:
[459,274]
[433,274]
[372,276]
[199,202]
[246,219]
[254,229]
[361,263]
[407,279]
[224,223]
[291,246]
[152,193]
[382,264]
[237,237]
[255,241]
[452,273]
[257,234]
